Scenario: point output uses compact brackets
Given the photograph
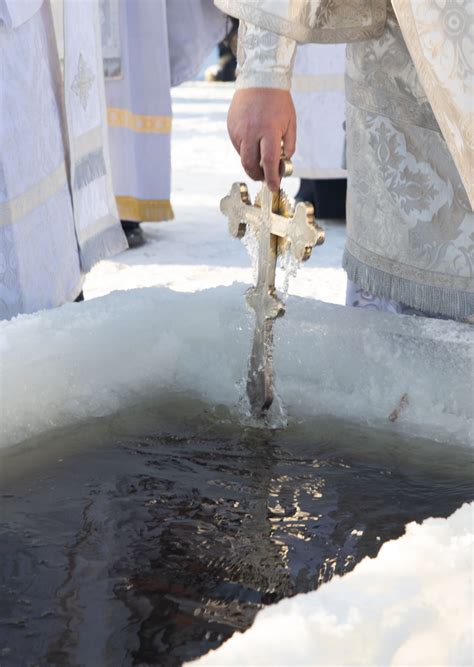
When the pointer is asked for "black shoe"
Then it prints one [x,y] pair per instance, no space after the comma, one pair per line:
[134,233]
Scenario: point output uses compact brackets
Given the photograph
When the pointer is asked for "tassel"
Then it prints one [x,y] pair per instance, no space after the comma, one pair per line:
[452,303]
[89,168]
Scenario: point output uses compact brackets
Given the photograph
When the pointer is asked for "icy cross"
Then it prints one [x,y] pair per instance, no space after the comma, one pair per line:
[275,233]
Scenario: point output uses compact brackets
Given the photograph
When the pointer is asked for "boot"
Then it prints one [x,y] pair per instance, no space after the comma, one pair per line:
[134,233]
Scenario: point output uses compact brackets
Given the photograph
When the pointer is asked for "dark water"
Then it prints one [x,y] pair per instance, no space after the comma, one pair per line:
[133,542]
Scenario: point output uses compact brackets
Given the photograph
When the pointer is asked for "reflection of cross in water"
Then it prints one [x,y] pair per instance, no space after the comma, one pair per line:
[277,229]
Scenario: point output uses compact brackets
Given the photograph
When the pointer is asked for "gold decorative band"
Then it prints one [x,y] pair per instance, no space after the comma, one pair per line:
[144,210]
[137,122]
[20,206]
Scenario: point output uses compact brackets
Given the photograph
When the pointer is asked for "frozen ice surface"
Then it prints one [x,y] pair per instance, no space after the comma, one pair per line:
[91,359]
[412,605]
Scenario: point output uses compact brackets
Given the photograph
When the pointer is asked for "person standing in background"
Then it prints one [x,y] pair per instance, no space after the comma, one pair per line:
[150,46]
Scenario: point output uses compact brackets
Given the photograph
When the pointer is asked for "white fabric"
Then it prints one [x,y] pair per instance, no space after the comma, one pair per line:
[15,12]
[39,258]
[318,95]
[97,227]
[195,27]
[440,39]
[265,59]
[46,243]
[321,21]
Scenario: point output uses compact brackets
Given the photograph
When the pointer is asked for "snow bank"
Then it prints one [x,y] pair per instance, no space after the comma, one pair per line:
[412,605]
[91,359]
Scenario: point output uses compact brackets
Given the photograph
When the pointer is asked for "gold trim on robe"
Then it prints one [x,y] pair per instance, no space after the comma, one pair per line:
[144,210]
[138,122]
[23,204]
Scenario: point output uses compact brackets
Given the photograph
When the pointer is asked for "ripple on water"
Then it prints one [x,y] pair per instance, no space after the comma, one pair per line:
[138,541]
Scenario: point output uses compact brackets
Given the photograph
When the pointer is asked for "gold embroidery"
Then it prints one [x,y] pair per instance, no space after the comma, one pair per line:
[19,207]
[88,142]
[144,210]
[138,123]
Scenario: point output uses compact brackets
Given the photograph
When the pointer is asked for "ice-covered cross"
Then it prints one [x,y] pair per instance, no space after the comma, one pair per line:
[277,230]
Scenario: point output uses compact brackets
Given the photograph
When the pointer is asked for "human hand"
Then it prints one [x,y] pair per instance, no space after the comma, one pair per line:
[258,120]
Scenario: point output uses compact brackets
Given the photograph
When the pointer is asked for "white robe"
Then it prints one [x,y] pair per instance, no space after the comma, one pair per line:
[57,215]
[158,44]
[318,95]
[195,27]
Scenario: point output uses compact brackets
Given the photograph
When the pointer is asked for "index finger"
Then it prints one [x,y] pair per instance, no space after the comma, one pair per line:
[270,151]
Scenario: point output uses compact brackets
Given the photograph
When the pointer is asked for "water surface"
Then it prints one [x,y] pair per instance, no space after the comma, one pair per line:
[145,540]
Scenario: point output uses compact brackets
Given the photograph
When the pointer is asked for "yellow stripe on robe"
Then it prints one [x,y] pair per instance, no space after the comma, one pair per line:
[144,210]
[137,122]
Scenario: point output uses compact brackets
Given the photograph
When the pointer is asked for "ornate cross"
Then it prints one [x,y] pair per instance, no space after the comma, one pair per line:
[277,229]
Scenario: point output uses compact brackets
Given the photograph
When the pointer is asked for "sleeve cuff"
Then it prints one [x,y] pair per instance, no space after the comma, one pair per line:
[265,59]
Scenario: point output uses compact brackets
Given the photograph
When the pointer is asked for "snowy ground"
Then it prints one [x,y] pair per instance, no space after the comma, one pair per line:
[195,251]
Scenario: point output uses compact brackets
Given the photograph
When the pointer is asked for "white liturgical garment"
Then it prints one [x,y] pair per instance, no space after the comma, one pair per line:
[57,211]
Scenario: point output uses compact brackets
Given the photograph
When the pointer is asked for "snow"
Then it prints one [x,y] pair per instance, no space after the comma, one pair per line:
[412,605]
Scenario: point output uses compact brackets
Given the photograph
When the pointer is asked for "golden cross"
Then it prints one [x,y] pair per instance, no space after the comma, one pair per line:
[277,230]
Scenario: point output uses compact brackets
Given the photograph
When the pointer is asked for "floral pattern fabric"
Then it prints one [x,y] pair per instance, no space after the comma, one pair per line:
[321,21]
[440,38]
[410,227]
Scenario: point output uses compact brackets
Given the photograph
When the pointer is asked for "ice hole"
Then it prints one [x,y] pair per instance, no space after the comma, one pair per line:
[144,517]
